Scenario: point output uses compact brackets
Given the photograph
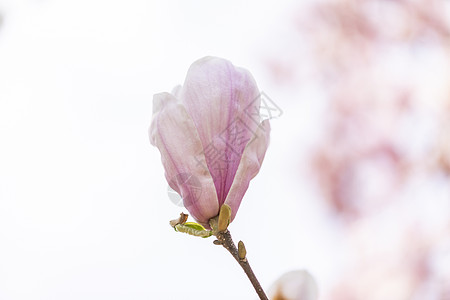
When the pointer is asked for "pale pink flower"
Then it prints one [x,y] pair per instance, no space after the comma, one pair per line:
[210,136]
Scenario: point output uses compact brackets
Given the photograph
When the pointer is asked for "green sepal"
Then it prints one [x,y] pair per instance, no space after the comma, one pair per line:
[194,229]
[194,225]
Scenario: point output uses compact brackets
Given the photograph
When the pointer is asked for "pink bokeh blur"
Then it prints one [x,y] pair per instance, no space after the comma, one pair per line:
[382,162]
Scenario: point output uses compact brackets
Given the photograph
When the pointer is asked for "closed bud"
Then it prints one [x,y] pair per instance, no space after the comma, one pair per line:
[224,217]
[242,252]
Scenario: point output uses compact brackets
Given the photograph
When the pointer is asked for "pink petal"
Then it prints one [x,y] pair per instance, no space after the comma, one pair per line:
[249,166]
[216,94]
[174,133]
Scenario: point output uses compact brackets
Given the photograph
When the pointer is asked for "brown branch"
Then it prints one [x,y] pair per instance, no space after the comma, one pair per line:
[224,239]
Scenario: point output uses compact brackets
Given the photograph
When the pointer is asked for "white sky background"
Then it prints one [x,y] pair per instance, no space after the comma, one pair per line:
[83,206]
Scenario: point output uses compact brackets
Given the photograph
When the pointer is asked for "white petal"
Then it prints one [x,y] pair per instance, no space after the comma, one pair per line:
[294,285]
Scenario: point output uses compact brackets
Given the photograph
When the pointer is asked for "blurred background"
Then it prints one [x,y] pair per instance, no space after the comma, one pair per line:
[355,186]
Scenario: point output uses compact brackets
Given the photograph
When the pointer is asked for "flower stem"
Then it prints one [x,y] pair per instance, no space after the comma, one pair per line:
[224,239]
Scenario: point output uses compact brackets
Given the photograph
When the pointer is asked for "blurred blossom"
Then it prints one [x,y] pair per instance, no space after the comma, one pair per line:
[403,267]
[351,33]
[441,158]
[362,159]
[294,285]
[379,122]
[382,156]
[386,120]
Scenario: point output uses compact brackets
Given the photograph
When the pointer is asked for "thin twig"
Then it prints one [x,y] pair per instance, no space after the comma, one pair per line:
[224,239]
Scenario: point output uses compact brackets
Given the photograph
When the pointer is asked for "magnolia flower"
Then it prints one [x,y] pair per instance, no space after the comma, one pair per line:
[210,139]
[294,285]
